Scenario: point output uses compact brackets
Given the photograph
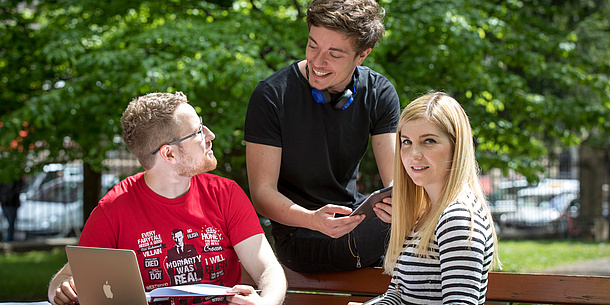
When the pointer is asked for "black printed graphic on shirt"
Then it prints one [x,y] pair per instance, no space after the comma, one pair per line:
[150,244]
[151,262]
[215,265]
[183,263]
[211,240]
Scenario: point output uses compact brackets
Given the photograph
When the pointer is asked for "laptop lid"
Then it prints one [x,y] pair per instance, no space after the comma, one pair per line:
[106,276]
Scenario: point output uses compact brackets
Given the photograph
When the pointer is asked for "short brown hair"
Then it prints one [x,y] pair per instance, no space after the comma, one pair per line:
[149,122]
[358,19]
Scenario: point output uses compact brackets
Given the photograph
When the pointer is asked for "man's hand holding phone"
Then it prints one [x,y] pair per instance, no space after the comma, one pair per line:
[326,220]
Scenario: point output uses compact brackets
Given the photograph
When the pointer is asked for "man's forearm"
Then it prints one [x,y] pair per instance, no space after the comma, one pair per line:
[272,284]
[277,207]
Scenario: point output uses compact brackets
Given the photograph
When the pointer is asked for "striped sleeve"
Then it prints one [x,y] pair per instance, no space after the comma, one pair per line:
[462,259]
[456,270]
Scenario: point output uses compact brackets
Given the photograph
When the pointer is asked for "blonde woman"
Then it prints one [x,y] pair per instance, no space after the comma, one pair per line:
[442,241]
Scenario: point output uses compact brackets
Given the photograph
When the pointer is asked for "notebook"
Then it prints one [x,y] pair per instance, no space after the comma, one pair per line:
[106,276]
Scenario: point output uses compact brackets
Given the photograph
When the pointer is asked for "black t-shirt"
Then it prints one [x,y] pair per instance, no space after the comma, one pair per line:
[9,193]
[321,146]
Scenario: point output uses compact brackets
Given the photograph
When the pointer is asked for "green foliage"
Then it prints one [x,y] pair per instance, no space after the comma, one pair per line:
[519,68]
[25,276]
[531,75]
[85,61]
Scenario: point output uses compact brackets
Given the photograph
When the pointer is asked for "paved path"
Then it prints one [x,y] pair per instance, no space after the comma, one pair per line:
[599,267]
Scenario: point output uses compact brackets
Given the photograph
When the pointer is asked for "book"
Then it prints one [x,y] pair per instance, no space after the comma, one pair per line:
[193,290]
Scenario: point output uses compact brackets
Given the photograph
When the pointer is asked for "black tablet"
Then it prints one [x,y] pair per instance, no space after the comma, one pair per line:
[366,207]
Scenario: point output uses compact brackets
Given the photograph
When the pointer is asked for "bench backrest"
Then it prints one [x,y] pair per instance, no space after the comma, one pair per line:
[548,288]
[365,283]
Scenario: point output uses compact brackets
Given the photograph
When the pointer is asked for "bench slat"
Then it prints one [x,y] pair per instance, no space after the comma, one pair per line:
[503,287]
[365,281]
[369,281]
[317,299]
[548,288]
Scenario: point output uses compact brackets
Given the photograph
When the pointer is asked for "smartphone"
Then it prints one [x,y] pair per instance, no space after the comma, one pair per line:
[374,300]
[366,207]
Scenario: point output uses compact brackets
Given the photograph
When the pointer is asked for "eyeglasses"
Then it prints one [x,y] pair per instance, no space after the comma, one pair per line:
[200,132]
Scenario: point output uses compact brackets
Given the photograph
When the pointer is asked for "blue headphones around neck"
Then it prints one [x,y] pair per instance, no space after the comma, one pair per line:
[344,101]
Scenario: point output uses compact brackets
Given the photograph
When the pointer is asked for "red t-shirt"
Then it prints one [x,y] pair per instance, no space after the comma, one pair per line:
[178,241]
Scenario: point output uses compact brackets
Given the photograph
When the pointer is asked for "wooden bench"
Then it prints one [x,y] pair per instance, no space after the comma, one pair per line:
[366,283]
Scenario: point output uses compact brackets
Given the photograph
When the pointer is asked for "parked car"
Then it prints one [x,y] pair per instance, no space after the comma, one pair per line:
[52,204]
[535,218]
[504,199]
[54,210]
[549,188]
[543,210]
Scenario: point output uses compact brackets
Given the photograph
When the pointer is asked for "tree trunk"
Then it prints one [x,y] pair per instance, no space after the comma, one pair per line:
[92,189]
[592,178]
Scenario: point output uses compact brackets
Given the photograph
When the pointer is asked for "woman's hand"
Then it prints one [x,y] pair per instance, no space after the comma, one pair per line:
[383,209]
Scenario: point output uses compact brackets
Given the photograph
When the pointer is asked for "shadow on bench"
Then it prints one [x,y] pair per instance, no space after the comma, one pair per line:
[366,283]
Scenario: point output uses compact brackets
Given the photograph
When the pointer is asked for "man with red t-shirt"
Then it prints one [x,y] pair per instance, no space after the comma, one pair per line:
[185,225]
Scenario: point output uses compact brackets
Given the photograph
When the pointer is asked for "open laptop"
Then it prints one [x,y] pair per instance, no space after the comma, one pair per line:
[106,276]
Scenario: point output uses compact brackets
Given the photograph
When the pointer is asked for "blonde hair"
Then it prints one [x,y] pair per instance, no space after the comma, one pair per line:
[149,122]
[409,201]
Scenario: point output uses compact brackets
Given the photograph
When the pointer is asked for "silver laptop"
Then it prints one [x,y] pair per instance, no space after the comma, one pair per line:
[106,276]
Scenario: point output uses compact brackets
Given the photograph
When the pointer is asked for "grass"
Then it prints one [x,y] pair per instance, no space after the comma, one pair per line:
[25,276]
[533,256]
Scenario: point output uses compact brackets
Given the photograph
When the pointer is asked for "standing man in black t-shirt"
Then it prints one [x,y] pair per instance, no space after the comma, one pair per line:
[10,202]
[307,128]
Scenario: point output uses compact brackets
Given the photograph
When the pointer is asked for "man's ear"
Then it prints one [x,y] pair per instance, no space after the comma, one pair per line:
[363,55]
[168,154]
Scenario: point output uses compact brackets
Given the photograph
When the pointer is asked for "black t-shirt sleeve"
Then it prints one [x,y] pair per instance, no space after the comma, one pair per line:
[262,124]
[387,111]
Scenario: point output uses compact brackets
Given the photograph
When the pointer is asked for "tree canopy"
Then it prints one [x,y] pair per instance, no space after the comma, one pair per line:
[530,74]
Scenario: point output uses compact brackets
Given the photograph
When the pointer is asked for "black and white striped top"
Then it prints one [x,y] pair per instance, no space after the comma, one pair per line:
[456,272]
